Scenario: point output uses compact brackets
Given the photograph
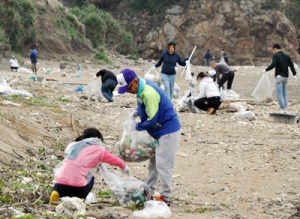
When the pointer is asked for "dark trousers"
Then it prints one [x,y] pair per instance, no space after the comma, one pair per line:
[205,103]
[73,191]
[13,68]
[226,77]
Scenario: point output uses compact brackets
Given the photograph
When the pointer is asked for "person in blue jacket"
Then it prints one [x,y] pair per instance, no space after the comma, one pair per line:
[169,58]
[207,57]
[33,58]
[160,120]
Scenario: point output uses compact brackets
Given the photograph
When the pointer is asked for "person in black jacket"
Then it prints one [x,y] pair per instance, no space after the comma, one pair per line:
[281,62]
[109,82]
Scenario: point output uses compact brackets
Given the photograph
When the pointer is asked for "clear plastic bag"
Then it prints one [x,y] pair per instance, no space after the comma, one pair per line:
[128,190]
[176,92]
[93,88]
[154,209]
[135,146]
[229,94]
[264,89]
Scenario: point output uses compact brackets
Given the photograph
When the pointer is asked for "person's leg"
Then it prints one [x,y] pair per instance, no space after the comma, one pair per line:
[284,93]
[214,102]
[88,187]
[279,92]
[153,174]
[230,79]
[165,159]
[201,104]
[105,89]
[165,80]
[223,80]
[172,79]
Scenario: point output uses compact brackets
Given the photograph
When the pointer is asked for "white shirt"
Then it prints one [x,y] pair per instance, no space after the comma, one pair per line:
[13,63]
[207,88]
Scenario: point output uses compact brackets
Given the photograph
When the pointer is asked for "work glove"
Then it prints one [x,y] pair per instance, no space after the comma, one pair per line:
[153,68]
[187,62]
[134,114]
[295,78]
[126,170]
[95,77]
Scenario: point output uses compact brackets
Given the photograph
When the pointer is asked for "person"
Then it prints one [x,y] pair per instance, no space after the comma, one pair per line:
[73,176]
[207,57]
[109,82]
[33,58]
[225,56]
[13,62]
[208,98]
[281,62]
[160,120]
[226,72]
[169,58]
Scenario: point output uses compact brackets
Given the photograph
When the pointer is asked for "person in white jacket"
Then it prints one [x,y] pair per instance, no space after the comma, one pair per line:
[208,98]
[13,62]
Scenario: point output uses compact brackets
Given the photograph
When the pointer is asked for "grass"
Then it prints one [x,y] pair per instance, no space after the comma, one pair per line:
[100,56]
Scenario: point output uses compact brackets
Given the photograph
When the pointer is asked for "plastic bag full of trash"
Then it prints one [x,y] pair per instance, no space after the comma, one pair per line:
[5,89]
[134,146]
[128,190]
[72,207]
[154,209]
[264,89]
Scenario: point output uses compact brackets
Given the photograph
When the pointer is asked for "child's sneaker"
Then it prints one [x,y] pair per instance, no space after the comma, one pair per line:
[162,199]
[54,197]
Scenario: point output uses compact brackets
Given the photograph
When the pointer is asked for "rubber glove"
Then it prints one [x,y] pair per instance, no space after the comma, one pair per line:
[187,62]
[95,77]
[126,170]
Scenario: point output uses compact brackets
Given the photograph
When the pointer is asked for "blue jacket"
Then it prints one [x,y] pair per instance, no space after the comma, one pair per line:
[156,111]
[33,56]
[169,62]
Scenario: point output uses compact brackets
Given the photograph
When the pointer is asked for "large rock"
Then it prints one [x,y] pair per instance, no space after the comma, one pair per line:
[243,28]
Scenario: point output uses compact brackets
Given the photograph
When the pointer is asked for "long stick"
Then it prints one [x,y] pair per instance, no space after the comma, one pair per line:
[190,57]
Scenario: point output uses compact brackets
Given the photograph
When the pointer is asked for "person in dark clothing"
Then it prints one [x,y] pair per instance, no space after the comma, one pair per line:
[226,72]
[33,58]
[169,59]
[281,62]
[109,82]
[207,57]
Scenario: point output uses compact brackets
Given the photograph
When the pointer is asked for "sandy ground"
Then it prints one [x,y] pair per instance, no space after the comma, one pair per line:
[225,167]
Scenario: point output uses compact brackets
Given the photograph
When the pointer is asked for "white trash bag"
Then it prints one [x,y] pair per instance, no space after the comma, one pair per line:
[264,89]
[176,92]
[5,89]
[154,209]
[229,94]
[128,190]
[245,115]
[93,88]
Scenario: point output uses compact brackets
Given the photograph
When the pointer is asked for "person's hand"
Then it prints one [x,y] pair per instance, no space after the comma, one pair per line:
[95,77]
[153,68]
[126,170]
[295,78]
[264,71]
[187,62]
[134,113]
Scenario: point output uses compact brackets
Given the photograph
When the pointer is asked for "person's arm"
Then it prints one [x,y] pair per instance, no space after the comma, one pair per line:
[180,61]
[151,102]
[161,59]
[273,64]
[292,67]
[201,91]
[111,159]
[217,68]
